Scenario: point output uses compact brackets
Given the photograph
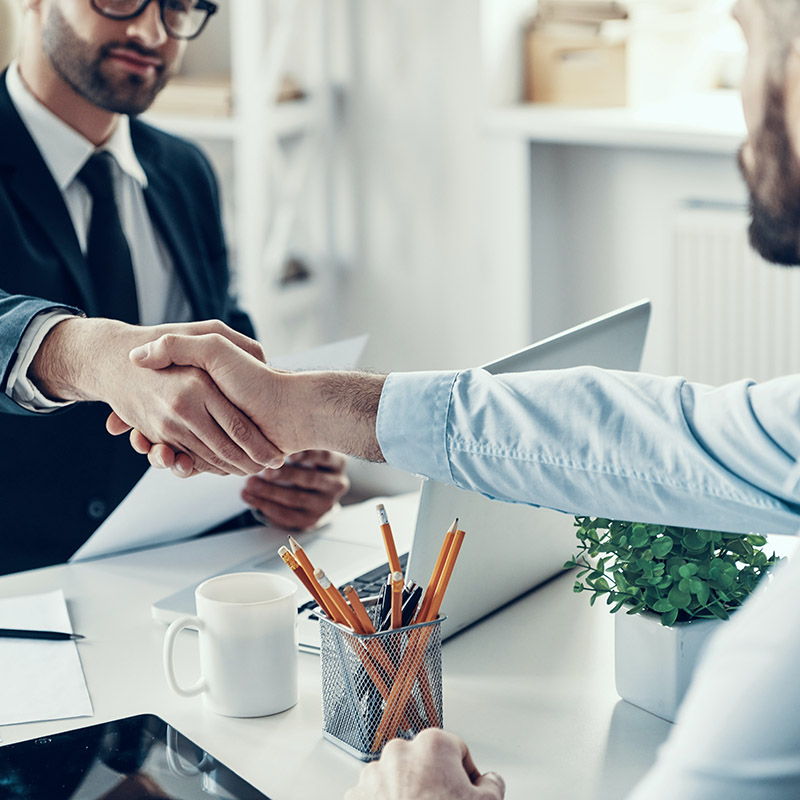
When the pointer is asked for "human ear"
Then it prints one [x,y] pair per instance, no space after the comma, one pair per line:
[792,95]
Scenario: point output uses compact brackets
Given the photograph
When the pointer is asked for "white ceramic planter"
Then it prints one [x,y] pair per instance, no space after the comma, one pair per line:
[653,664]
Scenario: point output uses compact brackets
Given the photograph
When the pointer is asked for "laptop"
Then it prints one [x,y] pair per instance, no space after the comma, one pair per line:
[541,539]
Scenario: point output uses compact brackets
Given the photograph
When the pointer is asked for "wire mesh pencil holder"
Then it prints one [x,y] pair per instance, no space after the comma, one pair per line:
[379,687]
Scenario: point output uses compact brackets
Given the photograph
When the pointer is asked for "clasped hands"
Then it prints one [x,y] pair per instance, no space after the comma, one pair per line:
[216,407]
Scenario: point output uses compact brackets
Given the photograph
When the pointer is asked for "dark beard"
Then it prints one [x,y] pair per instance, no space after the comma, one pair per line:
[82,70]
[774,185]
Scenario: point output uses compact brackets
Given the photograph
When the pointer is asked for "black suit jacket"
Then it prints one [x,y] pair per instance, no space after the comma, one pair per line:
[61,474]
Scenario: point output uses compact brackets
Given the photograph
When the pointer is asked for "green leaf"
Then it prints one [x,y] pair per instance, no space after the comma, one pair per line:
[669,617]
[662,546]
[639,536]
[678,598]
[662,605]
[696,586]
[693,543]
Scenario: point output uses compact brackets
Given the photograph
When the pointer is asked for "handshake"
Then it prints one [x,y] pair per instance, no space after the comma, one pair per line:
[200,397]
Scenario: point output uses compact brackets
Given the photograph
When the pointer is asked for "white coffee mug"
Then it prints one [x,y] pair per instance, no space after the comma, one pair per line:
[247,633]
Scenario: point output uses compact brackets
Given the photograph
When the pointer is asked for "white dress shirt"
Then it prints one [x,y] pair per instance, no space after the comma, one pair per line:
[159,292]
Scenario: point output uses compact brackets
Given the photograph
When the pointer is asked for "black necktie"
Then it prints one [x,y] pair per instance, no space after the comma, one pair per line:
[107,252]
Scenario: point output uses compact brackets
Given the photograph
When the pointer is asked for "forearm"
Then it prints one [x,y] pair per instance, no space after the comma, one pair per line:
[330,411]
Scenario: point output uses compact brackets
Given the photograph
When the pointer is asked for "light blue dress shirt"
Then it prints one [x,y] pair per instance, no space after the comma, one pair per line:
[640,447]
[621,445]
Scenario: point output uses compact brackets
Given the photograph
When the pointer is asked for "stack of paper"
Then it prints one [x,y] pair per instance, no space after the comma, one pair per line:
[41,680]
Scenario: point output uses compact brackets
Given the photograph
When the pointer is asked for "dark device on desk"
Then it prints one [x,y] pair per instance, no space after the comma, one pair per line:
[137,758]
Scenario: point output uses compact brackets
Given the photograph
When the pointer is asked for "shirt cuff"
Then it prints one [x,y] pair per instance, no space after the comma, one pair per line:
[412,422]
[21,388]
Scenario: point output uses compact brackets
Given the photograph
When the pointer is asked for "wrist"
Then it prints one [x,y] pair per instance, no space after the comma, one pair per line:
[69,363]
[334,411]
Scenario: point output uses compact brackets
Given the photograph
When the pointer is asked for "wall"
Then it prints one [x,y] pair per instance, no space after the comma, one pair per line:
[425,282]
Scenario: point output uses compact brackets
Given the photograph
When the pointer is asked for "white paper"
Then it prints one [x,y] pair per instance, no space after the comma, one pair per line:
[163,508]
[41,680]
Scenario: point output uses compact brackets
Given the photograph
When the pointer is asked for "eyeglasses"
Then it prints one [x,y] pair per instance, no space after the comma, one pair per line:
[182,19]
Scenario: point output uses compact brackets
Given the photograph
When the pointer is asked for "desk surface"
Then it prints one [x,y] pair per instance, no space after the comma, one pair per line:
[531,688]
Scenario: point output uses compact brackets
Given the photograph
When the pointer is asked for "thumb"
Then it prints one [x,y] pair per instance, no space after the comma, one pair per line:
[491,786]
[171,349]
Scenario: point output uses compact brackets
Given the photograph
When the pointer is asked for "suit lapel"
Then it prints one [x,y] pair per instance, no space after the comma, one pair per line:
[169,210]
[33,185]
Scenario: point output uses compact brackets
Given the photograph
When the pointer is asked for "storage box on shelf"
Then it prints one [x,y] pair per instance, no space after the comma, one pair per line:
[619,53]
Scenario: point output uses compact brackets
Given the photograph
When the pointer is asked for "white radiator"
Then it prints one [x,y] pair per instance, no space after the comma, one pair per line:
[736,316]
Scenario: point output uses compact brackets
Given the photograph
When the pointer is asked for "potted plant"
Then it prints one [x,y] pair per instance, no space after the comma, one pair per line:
[676,585]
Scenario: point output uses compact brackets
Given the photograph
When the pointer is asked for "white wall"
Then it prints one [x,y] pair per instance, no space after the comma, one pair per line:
[424,283]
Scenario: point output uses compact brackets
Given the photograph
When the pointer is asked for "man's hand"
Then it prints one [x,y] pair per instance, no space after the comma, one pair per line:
[436,765]
[299,493]
[88,359]
[296,411]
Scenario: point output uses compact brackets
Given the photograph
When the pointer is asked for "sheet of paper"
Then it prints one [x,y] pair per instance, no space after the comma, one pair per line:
[162,508]
[41,679]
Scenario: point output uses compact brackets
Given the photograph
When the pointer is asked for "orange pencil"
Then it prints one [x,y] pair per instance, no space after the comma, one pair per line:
[388,539]
[409,668]
[447,572]
[312,586]
[437,572]
[358,609]
[308,568]
[343,612]
[397,600]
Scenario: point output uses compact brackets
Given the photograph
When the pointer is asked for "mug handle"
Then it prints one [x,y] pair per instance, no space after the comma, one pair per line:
[169,645]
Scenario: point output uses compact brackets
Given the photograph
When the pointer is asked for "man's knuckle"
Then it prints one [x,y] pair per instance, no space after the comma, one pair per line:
[240,429]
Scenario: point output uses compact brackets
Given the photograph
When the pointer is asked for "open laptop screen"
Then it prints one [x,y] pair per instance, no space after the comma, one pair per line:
[509,548]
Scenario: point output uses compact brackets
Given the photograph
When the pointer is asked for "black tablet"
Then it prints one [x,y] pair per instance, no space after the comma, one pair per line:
[138,758]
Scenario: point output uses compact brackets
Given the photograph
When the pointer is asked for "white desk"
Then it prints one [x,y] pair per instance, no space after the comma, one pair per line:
[531,688]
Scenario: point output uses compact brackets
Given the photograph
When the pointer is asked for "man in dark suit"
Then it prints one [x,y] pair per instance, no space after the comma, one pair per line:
[86,68]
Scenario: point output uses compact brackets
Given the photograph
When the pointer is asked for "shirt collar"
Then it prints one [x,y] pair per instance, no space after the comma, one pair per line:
[63,149]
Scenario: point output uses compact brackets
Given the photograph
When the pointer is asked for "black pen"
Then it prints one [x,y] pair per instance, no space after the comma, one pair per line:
[19,633]
[410,605]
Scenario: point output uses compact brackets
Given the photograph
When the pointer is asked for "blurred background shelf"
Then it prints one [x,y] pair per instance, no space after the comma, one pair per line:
[702,122]
[286,119]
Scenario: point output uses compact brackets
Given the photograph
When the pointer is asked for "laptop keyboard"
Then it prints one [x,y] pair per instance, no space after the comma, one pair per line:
[367,585]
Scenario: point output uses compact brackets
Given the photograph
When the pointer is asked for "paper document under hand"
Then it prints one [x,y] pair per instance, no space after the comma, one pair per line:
[41,679]
[162,508]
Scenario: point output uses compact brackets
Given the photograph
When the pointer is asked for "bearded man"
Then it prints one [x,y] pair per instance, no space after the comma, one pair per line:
[108,225]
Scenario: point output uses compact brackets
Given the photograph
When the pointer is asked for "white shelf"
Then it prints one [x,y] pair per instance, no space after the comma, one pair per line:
[289,119]
[704,122]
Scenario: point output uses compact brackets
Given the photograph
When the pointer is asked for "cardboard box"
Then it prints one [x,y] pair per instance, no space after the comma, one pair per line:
[575,70]
[619,61]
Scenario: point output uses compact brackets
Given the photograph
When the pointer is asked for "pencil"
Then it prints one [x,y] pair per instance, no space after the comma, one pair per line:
[21,633]
[344,614]
[312,586]
[308,568]
[397,600]
[358,609]
[447,572]
[388,539]
[437,571]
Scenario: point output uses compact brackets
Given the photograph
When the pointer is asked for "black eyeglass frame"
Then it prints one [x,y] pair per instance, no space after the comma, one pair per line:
[201,5]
